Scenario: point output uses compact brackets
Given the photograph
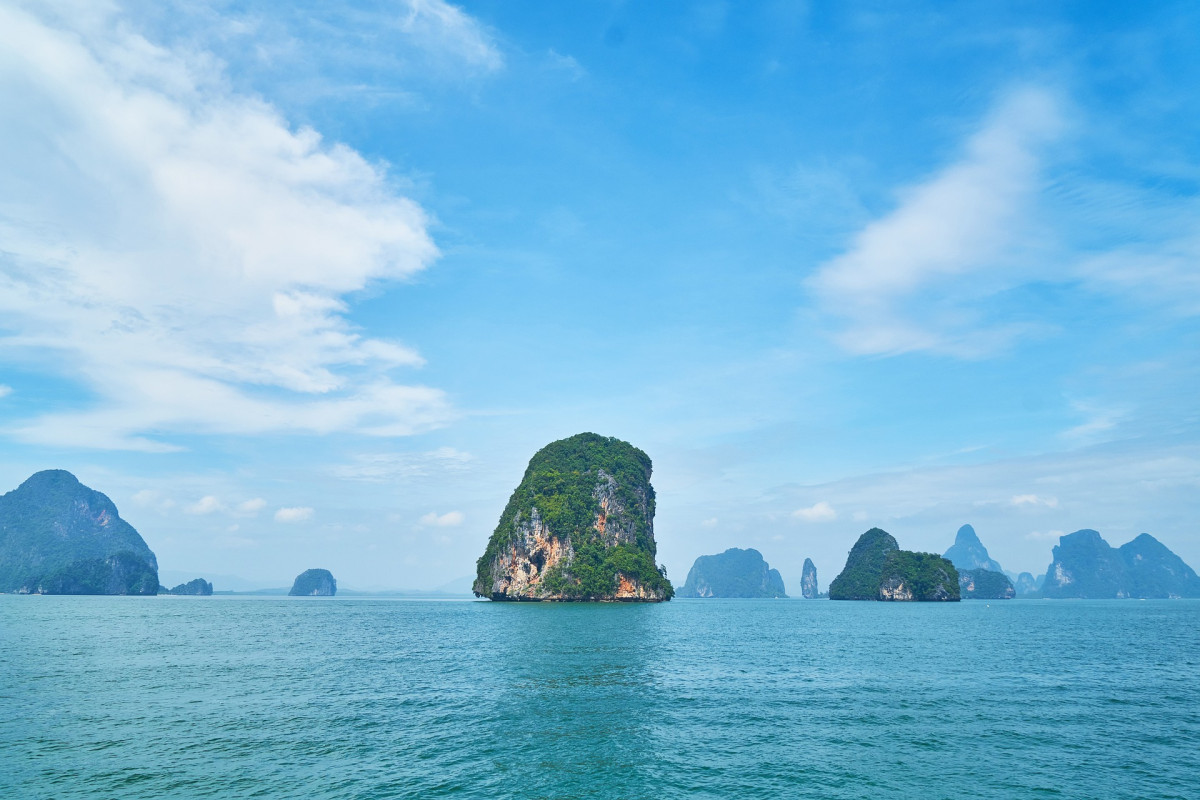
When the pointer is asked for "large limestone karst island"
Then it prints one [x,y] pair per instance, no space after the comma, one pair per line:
[57,536]
[314,583]
[877,569]
[580,526]
[734,573]
[1086,566]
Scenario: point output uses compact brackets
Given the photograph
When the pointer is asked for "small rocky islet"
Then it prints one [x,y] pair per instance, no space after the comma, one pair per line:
[734,573]
[579,526]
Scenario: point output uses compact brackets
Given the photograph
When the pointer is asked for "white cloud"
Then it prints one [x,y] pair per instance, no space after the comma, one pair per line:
[1040,536]
[5,391]
[446,30]
[205,505]
[183,251]
[447,520]
[251,507]
[385,467]
[294,514]
[151,498]
[1033,500]
[709,523]
[964,221]
[820,512]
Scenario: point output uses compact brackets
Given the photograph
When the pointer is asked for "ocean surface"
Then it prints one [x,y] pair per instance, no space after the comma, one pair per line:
[230,697]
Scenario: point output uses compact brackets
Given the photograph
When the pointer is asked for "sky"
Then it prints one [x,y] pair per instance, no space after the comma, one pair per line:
[306,285]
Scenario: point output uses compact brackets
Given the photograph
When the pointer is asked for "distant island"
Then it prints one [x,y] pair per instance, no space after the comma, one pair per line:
[197,587]
[877,569]
[57,536]
[1086,566]
[579,526]
[809,588]
[980,577]
[314,583]
[734,573]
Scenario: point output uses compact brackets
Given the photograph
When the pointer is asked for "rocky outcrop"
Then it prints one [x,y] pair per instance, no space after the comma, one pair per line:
[1026,584]
[1086,566]
[734,573]
[197,586]
[809,588]
[877,569]
[968,553]
[314,583]
[579,526]
[985,584]
[57,536]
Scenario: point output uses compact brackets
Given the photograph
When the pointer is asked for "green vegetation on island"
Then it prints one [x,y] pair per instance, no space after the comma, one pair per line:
[734,573]
[580,526]
[877,569]
[196,586]
[57,536]
[314,583]
[985,584]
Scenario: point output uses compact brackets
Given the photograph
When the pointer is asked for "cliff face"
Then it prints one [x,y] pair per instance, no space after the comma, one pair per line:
[734,573]
[984,584]
[59,536]
[877,569]
[809,588]
[968,552]
[196,586]
[580,526]
[314,583]
[1086,566]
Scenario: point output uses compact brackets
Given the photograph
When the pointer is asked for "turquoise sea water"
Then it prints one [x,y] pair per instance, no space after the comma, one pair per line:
[378,698]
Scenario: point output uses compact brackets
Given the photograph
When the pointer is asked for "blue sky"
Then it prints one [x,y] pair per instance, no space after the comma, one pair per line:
[307,286]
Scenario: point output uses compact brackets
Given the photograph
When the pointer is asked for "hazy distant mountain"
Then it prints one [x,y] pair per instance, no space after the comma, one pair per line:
[968,552]
[809,588]
[57,536]
[985,584]
[734,573]
[314,583]
[196,586]
[1087,566]
[1025,583]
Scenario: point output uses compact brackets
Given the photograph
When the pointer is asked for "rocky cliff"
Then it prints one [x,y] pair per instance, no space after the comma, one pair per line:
[968,552]
[734,573]
[196,586]
[877,569]
[985,584]
[57,536]
[809,588]
[1026,584]
[579,526]
[1086,566]
[314,583]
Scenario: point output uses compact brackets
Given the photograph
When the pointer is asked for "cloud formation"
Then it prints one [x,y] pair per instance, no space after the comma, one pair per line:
[819,512]
[962,222]
[294,514]
[447,520]
[183,252]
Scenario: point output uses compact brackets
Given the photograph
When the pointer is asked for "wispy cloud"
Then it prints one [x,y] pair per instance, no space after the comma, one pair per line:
[294,514]
[818,512]
[1033,500]
[5,391]
[386,467]
[446,30]
[183,251]
[208,504]
[447,520]
[963,221]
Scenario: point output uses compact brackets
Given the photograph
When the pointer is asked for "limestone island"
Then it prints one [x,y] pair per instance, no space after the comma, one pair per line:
[314,583]
[57,536]
[734,573]
[1086,566]
[980,577]
[877,569]
[580,526]
[197,587]
[809,588]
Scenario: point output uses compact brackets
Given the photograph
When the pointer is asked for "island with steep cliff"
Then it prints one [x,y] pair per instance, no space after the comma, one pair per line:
[1086,566]
[579,526]
[809,588]
[314,583]
[57,536]
[734,573]
[197,587]
[980,577]
[877,569]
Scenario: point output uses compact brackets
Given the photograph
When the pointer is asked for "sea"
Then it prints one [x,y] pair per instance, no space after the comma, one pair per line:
[359,697]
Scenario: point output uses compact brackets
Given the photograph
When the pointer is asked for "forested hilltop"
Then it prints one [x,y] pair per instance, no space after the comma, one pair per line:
[580,526]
